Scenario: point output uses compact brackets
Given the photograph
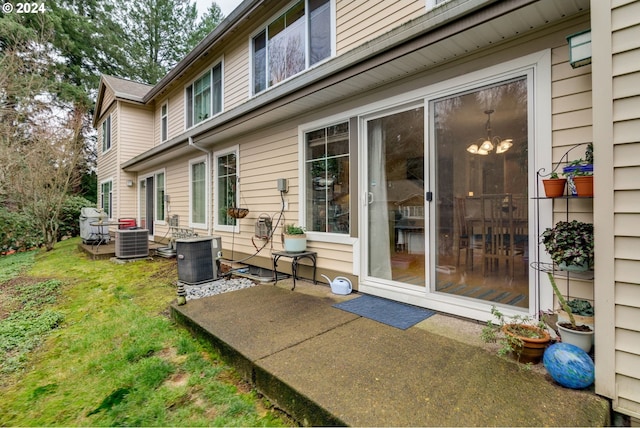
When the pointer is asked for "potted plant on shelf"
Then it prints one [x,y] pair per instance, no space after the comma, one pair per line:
[570,245]
[523,337]
[580,335]
[295,238]
[554,185]
[580,174]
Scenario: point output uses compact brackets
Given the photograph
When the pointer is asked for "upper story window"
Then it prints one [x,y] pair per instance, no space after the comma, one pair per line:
[106,134]
[327,191]
[204,96]
[164,122]
[292,42]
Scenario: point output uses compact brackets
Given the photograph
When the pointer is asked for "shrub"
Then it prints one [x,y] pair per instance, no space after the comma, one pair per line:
[70,216]
[17,232]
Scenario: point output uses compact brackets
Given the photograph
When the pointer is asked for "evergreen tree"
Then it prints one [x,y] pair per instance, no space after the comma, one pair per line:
[159,33]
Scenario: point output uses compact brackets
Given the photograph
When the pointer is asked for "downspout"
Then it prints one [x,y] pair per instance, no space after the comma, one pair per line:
[208,182]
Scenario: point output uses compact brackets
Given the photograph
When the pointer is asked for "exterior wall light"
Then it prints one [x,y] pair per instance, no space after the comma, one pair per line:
[580,48]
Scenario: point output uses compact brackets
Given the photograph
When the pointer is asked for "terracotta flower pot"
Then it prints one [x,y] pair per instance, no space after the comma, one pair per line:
[554,187]
[532,349]
[584,185]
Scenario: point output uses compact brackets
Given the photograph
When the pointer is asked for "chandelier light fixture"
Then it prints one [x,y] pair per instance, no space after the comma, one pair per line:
[486,144]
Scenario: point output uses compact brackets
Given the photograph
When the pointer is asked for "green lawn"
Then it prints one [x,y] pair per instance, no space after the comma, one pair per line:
[106,353]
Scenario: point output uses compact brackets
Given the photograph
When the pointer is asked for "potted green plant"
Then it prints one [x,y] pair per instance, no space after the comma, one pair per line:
[554,185]
[521,336]
[578,334]
[570,245]
[580,174]
[295,238]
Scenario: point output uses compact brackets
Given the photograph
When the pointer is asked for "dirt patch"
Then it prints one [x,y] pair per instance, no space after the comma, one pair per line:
[178,380]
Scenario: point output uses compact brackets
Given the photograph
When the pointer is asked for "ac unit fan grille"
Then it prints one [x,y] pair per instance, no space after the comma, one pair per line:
[132,243]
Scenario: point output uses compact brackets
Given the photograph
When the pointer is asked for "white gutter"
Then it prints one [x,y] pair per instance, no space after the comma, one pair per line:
[209,184]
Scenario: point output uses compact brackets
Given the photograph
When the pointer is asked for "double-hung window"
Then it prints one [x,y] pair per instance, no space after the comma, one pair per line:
[106,134]
[204,96]
[106,197]
[294,41]
[227,195]
[198,193]
[164,122]
[327,179]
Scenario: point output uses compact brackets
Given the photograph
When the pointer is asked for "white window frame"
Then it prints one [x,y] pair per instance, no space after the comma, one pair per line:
[110,196]
[156,201]
[218,62]
[223,227]
[431,4]
[107,131]
[164,122]
[337,238]
[192,162]
[263,27]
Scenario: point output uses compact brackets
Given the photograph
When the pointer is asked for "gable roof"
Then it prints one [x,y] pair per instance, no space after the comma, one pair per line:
[127,89]
[122,89]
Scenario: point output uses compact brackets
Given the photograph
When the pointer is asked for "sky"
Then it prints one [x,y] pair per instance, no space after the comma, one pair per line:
[226,6]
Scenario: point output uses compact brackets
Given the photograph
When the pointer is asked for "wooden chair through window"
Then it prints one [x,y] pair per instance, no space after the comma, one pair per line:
[503,234]
[467,240]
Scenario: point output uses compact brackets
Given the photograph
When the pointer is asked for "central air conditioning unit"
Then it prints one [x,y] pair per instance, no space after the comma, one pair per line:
[132,243]
[197,259]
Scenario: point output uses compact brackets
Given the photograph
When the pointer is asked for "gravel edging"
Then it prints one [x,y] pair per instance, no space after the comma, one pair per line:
[216,287]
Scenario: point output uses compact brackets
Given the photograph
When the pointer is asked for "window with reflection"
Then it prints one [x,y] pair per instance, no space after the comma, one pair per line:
[327,179]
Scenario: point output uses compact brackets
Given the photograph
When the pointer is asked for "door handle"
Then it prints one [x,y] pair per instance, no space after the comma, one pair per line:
[369,198]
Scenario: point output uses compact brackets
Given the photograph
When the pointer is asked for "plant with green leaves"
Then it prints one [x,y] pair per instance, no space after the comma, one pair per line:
[570,243]
[510,332]
[292,229]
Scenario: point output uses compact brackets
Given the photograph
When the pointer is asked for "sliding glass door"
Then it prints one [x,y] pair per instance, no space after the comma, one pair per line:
[395,198]
[480,143]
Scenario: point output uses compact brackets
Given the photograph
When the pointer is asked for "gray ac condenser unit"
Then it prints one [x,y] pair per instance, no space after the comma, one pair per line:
[132,243]
[197,259]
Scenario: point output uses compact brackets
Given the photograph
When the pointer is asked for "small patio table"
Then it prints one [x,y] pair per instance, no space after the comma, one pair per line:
[99,238]
[295,257]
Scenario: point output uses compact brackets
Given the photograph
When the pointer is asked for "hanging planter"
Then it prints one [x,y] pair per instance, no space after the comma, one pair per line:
[237,212]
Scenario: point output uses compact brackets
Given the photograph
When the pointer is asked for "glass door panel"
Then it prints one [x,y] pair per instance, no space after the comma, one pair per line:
[395,198]
[481,214]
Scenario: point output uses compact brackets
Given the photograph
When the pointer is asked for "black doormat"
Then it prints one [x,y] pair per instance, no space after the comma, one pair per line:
[395,314]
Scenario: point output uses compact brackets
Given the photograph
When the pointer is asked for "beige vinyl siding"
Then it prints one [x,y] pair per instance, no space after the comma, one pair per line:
[177,188]
[136,130]
[107,98]
[236,75]
[107,162]
[264,158]
[132,129]
[626,170]
[571,123]
[360,21]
